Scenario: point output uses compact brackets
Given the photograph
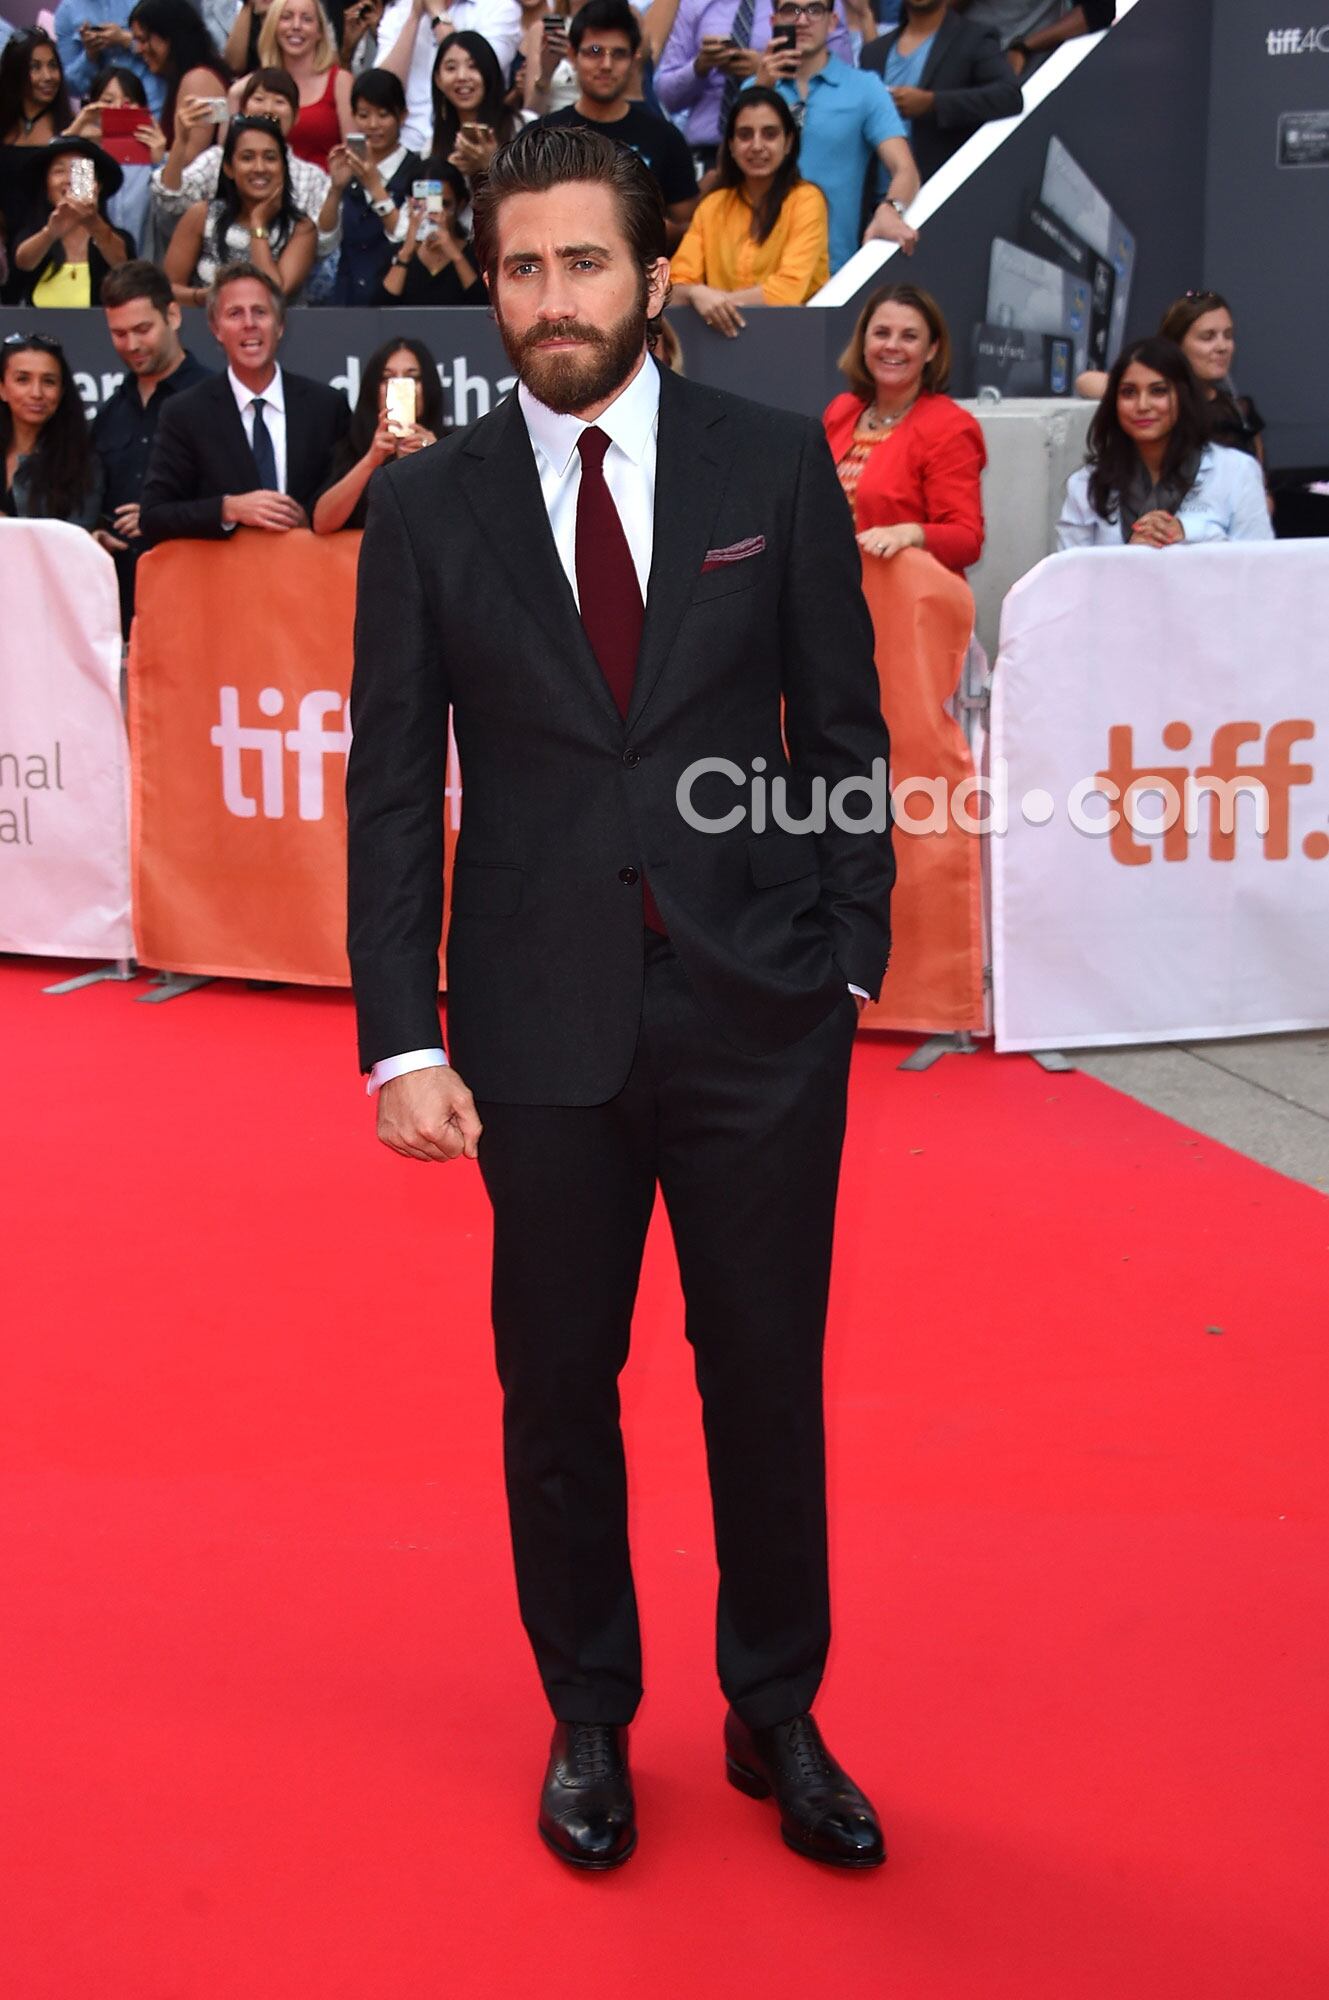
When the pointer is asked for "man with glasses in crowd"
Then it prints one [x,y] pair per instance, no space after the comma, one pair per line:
[849,125]
[711,53]
[604,37]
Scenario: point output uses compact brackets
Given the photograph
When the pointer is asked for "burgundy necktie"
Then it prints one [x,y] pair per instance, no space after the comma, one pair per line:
[610,598]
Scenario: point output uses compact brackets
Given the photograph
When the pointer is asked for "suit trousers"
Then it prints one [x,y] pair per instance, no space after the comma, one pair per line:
[746,1153]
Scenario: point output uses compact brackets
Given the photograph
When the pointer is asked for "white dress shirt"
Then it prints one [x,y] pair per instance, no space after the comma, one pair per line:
[499,21]
[273,399]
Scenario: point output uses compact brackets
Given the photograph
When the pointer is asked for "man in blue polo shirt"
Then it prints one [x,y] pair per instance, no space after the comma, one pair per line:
[848,124]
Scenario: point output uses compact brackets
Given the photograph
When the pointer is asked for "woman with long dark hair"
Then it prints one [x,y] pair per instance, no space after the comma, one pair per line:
[34,110]
[1201,324]
[1154,479]
[62,259]
[471,117]
[255,217]
[374,439]
[760,237]
[48,469]
[171,41]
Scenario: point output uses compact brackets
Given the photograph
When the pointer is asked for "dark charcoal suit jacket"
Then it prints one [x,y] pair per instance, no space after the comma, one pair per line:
[200,454]
[463,605]
[972,79]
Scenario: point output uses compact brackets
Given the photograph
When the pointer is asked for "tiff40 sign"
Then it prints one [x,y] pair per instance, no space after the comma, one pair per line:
[1169,712]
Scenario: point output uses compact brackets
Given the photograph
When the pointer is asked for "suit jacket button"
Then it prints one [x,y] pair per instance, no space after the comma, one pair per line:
[632,758]
[628,875]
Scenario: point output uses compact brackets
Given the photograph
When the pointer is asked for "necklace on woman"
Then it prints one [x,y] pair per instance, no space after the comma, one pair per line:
[874,421]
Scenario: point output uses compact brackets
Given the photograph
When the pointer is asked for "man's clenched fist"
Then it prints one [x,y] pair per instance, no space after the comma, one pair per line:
[428,1114]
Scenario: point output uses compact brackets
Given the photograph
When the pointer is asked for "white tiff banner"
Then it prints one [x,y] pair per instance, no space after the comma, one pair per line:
[64,820]
[1160,720]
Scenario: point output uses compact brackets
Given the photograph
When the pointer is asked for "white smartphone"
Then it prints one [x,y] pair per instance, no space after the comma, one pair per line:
[400,402]
[82,179]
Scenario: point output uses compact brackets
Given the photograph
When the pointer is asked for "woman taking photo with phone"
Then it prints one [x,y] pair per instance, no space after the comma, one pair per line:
[371,176]
[62,260]
[171,42]
[34,109]
[254,217]
[378,433]
[48,469]
[435,266]
[139,147]
[1154,478]
[471,120]
[910,460]
[760,237]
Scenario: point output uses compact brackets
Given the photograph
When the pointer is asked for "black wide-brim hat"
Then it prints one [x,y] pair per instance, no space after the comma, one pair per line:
[110,178]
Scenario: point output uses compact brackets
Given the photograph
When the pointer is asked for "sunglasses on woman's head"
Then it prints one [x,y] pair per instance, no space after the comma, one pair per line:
[42,341]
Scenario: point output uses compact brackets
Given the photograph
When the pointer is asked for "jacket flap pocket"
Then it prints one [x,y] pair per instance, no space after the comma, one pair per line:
[781,857]
[485,892]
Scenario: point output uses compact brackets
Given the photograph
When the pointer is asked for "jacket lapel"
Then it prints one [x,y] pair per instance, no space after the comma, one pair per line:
[691,461]
[503,487]
[942,40]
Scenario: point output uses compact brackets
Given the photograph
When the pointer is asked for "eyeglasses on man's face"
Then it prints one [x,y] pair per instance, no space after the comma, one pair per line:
[811,10]
[599,53]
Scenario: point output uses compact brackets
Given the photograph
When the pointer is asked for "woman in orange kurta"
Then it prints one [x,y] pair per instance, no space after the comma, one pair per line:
[760,238]
[910,460]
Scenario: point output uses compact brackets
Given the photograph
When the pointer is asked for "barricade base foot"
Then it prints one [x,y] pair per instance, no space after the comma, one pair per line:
[170,985]
[937,1046]
[1052,1060]
[124,968]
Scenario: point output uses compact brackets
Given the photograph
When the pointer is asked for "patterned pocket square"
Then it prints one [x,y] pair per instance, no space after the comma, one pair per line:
[735,553]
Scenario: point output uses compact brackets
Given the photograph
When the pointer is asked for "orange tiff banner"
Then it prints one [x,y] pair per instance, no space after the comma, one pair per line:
[239,677]
[923,616]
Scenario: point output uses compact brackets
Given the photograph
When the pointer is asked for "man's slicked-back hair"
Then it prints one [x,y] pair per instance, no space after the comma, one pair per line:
[541,157]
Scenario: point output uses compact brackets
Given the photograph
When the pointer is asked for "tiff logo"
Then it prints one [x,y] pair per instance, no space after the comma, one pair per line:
[1267,781]
[1297,41]
[310,742]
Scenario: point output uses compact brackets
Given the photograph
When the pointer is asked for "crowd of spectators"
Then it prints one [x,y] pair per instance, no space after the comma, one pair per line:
[335,152]
[880,93]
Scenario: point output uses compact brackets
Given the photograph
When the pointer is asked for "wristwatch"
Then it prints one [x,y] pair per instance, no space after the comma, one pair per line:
[403,263]
[384,205]
[898,206]
[258,234]
[1019,47]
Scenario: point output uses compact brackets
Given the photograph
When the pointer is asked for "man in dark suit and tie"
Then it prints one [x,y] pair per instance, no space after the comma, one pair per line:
[250,448]
[637,598]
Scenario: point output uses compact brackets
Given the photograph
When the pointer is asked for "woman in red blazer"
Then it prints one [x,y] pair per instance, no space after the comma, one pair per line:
[909,459]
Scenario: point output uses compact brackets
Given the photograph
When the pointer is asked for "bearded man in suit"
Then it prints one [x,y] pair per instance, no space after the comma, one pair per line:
[634,596]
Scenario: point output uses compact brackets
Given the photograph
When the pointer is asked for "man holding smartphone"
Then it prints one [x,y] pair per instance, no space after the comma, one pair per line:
[848,121]
[712,51]
[92,33]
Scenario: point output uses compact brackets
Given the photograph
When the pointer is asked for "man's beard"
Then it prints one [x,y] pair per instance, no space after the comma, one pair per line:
[570,382]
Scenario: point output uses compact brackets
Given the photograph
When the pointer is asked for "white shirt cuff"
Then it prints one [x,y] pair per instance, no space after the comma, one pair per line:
[858,991]
[383,1072]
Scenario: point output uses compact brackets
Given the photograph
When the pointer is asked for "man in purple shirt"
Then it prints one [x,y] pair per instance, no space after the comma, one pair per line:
[696,66]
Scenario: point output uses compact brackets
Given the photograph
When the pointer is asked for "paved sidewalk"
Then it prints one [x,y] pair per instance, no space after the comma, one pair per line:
[1267,1097]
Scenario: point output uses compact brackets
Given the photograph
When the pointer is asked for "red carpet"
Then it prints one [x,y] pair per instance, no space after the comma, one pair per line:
[271,1731]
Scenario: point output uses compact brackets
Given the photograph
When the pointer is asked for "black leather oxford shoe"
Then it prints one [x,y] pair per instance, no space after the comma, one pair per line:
[587,1816]
[823,1814]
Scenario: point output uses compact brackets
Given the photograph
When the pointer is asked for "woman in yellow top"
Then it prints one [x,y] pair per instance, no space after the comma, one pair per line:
[63,262]
[760,238]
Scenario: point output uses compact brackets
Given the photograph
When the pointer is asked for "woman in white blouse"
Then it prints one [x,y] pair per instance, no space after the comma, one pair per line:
[1153,480]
